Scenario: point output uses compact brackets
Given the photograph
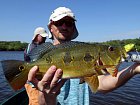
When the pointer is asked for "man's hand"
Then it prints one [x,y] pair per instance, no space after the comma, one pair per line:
[49,86]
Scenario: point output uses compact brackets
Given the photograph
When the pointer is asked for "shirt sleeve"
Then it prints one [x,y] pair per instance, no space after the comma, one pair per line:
[26,52]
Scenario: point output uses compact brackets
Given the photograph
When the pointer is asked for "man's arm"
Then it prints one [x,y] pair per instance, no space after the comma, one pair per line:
[108,83]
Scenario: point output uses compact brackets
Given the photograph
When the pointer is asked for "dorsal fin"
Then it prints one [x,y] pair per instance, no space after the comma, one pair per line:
[40,50]
[70,44]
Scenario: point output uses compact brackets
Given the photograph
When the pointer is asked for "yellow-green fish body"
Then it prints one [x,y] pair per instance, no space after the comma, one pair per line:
[76,59]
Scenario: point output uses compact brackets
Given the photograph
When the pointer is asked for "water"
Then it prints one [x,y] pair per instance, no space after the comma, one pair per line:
[128,94]
[17,55]
[5,90]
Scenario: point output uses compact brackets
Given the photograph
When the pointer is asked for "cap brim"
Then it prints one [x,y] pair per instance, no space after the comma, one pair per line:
[44,35]
[61,16]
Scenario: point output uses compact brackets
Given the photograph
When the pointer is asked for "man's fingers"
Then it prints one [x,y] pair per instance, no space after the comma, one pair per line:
[32,73]
[56,83]
[47,78]
[57,76]
[50,82]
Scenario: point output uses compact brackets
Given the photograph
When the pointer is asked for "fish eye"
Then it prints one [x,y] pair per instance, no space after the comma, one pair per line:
[110,48]
[21,68]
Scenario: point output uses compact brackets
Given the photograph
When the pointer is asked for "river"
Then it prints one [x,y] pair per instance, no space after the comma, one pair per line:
[128,94]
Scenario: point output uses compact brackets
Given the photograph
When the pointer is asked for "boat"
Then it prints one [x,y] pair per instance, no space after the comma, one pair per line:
[19,98]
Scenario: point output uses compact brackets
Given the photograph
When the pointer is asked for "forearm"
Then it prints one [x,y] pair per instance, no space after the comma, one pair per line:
[109,83]
[44,100]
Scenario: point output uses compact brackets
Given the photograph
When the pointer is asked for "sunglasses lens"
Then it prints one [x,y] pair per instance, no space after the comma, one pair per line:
[67,23]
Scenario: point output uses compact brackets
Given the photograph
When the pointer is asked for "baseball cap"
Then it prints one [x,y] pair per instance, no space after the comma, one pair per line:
[61,12]
[41,31]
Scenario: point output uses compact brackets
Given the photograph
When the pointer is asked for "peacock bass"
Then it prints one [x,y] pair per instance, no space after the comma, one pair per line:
[77,60]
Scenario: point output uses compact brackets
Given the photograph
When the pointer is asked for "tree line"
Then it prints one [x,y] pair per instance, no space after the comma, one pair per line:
[20,46]
[135,41]
[12,45]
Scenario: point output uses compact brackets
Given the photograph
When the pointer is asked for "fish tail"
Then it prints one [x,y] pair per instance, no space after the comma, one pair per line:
[11,68]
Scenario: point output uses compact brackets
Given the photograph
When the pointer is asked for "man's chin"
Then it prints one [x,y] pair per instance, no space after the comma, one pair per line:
[65,37]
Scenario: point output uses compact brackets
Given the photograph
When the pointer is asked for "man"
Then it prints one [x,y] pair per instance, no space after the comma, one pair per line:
[62,28]
[39,37]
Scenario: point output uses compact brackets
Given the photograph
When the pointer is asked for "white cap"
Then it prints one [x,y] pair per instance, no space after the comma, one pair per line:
[61,12]
[41,31]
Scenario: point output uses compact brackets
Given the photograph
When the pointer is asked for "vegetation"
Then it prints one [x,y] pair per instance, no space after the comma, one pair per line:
[12,46]
[19,46]
[124,42]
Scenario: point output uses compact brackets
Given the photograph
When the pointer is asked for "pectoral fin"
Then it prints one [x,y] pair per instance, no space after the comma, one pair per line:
[93,82]
[113,71]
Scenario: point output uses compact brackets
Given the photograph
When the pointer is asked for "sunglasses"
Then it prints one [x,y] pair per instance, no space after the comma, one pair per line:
[61,22]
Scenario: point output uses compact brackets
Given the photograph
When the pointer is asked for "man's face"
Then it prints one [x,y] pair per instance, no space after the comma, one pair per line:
[63,29]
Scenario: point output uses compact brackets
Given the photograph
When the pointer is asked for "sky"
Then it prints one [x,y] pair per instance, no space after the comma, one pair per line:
[97,20]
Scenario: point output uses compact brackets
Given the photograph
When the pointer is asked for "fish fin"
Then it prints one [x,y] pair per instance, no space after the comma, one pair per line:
[112,71]
[40,50]
[100,71]
[104,69]
[11,69]
[93,82]
[129,47]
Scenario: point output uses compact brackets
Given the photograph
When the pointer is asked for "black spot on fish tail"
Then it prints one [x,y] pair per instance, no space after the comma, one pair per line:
[88,57]
[67,58]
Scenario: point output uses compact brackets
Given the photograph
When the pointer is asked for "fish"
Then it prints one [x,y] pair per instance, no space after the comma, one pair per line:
[83,60]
